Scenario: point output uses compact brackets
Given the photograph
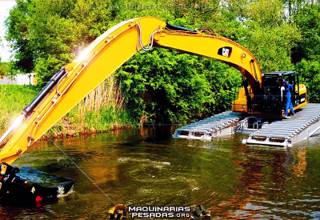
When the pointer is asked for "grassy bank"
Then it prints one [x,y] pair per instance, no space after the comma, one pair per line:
[79,123]
[13,98]
[100,111]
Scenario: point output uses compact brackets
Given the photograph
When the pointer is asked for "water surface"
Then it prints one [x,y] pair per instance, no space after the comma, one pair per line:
[147,167]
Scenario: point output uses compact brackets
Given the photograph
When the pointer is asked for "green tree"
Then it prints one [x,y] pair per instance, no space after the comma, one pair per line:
[171,87]
[162,85]
[306,54]
[269,36]
[17,24]
[308,21]
[4,68]
[47,34]
[310,75]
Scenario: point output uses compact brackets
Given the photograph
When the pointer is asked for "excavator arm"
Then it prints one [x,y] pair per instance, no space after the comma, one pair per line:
[102,58]
[213,46]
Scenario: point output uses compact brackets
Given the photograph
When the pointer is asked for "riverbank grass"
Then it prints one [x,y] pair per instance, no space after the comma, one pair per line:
[13,98]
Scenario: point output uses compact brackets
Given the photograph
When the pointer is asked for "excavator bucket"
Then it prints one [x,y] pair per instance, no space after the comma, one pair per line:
[28,186]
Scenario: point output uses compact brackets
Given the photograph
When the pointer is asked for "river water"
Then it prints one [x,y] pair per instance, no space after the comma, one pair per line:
[148,167]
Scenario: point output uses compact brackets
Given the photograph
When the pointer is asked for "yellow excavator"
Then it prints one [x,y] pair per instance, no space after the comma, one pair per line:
[113,48]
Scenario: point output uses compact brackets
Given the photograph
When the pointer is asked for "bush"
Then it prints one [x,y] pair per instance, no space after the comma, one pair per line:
[165,86]
[310,75]
[4,69]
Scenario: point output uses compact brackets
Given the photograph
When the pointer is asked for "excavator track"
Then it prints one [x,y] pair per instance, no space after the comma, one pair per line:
[217,125]
[283,133]
[286,133]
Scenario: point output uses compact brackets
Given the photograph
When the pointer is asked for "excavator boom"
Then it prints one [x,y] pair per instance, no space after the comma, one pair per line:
[102,58]
[216,47]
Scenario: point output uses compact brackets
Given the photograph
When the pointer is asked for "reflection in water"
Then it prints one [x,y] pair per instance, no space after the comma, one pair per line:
[256,196]
[300,166]
[258,167]
[147,167]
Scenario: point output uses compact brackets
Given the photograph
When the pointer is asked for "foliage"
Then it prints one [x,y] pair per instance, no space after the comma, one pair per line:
[308,21]
[4,68]
[272,46]
[269,36]
[307,53]
[162,85]
[159,84]
[17,24]
[46,34]
[310,74]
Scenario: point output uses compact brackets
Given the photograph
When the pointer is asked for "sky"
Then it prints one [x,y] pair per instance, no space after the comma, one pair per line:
[5,6]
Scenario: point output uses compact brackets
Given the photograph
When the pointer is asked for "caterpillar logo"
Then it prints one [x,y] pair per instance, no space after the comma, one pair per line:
[225,51]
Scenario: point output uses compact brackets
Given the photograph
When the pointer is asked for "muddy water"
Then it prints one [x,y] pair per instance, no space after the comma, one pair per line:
[147,167]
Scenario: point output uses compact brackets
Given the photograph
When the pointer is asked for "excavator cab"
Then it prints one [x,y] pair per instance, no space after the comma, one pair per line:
[274,97]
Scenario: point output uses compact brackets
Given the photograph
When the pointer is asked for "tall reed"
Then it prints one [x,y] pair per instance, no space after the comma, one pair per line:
[108,94]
